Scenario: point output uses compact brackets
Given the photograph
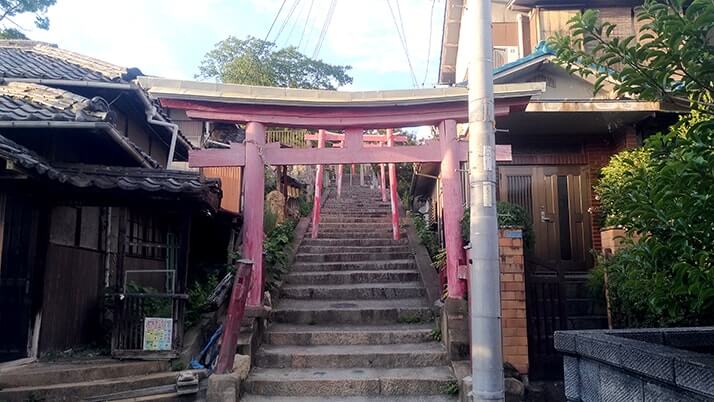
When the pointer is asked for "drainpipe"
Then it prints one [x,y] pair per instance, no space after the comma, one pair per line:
[484,286]
[153,117]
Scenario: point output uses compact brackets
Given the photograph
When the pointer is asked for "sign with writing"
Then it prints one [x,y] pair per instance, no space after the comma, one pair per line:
[158,333]
[504,153]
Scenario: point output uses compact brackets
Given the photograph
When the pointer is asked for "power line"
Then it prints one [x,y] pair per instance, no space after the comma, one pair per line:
[287,19]
[295,22]
[428,51]
[275,19]
[403,41]
[325,27]
[307,22]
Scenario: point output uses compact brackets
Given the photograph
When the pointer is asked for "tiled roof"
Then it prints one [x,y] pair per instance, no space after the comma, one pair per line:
[21,101]
[113,177]
[28,59]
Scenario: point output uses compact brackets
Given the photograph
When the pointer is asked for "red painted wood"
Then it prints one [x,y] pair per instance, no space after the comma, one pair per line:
[339,181]
[313,156]
[366,138]
[253,212]
[393,189]
[236,311]
[235,156]
[319,177]
[382,116]
[353,139]
[453,208]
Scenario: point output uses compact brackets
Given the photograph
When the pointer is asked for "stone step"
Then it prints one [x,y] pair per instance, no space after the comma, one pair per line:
[57,373]
[401,290]
[355,219]
[392,265]
[349,277]
[346,213]
[349,234]
[357,241]
[355,225]
[354,249]
[79,390]
[288,334]
[346,311]
[358,232]
[350,382]
[348,257]
[393,398]
[352,356]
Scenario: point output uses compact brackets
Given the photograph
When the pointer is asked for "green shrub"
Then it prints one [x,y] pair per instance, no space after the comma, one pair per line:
[509,215]
[276,247]
[426,235]
[666,278]
[304,205]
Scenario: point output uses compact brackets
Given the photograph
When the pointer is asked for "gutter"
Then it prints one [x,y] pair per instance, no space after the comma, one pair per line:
[106,127]
[151,112]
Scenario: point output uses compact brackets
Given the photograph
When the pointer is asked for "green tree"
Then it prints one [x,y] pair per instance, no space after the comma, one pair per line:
[11,8]
[662,191]
[254,61]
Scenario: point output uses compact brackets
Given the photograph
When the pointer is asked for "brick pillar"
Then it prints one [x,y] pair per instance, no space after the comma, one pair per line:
[513,299]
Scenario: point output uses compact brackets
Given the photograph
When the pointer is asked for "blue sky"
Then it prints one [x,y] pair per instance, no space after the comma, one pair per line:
[169,37]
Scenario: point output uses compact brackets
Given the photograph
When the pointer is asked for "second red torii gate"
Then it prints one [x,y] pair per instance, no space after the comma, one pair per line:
[352,112]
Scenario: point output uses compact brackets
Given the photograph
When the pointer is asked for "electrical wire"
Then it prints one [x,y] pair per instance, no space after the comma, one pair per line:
[275,19]
[325,27]
[428,51]
[295,22]
[403,41]
[287,19]
[307,22]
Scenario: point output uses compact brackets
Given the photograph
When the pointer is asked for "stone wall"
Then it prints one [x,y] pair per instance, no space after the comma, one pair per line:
[638,365]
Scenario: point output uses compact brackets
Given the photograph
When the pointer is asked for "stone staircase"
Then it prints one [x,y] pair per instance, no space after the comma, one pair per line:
[353,322]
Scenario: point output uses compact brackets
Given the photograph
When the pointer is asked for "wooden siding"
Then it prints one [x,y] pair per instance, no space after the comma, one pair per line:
[230,185]
[505,34]
[71,302]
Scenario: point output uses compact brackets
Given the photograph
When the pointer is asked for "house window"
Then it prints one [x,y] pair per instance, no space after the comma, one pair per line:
[76,227]
[148,236]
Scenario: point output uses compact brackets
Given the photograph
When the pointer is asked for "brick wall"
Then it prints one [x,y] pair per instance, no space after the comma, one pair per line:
[513,299]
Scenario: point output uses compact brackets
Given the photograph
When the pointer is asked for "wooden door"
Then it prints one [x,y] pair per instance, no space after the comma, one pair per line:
[557,199]
[19,231]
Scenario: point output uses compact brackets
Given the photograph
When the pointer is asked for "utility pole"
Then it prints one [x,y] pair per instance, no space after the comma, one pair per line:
[484,286]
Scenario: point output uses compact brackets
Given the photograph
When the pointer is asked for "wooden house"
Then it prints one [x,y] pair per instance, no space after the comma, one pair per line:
[551,156]
[95,226]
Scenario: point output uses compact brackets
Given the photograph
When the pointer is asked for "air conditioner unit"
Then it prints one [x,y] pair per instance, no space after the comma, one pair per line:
[504,55]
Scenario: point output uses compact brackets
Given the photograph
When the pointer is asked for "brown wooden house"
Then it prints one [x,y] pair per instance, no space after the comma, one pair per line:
[554,152]
[95,229]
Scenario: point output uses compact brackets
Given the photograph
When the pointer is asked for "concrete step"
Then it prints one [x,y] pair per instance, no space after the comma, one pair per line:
[393,398]
[394,311]
[355,225]
[349,234]
[349,277]
[400,290]
[355,214]
[352,356]
[73,391]
[289,334]
[42,373]
[350,382]
[349,257]
[404,248]
[354,242]
[393,265]
[354,219]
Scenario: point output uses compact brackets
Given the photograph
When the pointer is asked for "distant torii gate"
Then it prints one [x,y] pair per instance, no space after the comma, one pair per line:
[351,112]
[368,140]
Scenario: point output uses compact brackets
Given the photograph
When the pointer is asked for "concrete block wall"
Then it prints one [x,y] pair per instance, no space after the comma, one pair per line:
[638,365]
[513,299]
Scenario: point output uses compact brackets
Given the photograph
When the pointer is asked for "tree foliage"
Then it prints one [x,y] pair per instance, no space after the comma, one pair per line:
[11,8]
[254,61]
[663,191]
[671,58]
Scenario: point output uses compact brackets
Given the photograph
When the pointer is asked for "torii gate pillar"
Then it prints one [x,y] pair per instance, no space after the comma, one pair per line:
[453,207]
[253,219]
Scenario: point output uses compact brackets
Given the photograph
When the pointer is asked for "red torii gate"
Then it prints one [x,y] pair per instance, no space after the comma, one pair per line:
[368,140]
[351,112]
